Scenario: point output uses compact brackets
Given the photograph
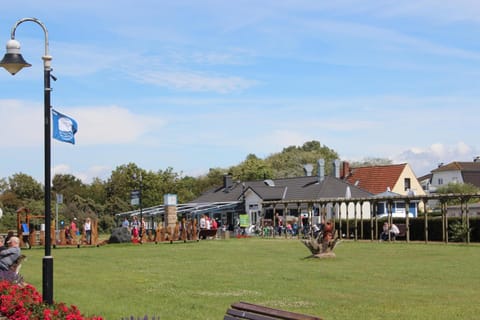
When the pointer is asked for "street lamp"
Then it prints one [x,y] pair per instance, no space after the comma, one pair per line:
[14,62]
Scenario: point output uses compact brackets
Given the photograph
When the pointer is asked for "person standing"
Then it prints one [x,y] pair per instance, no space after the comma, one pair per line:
[73,225]
[203,222]
[135,227]
[126,223]
[87,227]
[143,227]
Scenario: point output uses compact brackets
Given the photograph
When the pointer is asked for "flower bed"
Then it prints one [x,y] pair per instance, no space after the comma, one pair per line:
[20,301]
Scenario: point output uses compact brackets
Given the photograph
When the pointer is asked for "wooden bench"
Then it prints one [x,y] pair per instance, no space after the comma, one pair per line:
[207,233]
[245,310]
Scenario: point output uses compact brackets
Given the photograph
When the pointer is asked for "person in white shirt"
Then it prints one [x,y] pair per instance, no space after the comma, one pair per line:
[203,223]
[394,231]
[87,227]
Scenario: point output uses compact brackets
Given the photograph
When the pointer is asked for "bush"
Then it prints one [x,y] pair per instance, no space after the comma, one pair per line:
[459,231]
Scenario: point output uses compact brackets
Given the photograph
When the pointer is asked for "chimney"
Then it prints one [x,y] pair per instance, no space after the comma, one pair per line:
[308,168]
[321,170]
[476,159]
[227,181]
[336,168]
[345,170]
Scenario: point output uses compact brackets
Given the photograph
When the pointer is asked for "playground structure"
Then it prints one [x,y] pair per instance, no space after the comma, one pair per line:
[31,231]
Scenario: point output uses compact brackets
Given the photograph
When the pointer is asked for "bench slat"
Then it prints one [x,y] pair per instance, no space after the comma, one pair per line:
[273,313]
[240,314]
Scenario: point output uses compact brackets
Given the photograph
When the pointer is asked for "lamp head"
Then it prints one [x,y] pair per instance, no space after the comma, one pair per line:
[13,60]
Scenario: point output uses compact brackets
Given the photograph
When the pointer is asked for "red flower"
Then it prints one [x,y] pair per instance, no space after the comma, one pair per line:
[23,302]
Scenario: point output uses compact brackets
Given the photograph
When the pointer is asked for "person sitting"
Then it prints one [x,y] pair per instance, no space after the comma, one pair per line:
[385,231]
[10,255]
[394,231]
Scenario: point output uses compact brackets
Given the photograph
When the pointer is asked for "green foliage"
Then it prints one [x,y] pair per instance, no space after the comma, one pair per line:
[68,185]
[460,188]
[8,222]
[459,231]
[199,280]
[252,168]
[106,224]
[25,187]
[289,163]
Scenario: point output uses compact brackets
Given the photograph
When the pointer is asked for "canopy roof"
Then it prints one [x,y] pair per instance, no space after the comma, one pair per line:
[188,209]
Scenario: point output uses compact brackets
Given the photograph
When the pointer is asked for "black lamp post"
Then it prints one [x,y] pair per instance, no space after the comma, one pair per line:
[140,180]
[14,62]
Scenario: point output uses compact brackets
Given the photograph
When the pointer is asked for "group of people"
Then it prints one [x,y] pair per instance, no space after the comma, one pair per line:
[207,223]
[72,230]
[10,254]
[135,227]
[389,231]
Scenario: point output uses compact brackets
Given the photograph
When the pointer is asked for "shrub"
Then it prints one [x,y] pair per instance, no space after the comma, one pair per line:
[459,231]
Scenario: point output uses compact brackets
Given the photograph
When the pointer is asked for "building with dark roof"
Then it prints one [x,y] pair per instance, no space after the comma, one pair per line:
[456,172]
[250,195]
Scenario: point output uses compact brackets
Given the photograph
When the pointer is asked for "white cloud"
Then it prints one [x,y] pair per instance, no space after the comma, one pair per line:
[86,176]
[112,125]
[24,126]
[195,81]
[424,160]
[96,125]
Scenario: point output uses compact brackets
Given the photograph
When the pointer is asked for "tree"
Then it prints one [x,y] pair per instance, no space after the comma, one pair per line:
[25,187]
[459,188]
[3,185]
[68,185]
[290,162]
[370,162]
[121,182]
[252,168]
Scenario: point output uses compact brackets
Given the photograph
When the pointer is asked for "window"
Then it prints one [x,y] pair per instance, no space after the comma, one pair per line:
[440,181]
[406,183]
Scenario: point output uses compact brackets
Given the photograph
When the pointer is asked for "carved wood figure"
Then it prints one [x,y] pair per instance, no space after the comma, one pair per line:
[162,234]
[157,233]
[176,231]
[322,245]
[184,230]
[194,230]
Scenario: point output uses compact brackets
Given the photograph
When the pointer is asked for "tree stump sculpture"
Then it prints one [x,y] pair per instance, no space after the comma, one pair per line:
[322,245]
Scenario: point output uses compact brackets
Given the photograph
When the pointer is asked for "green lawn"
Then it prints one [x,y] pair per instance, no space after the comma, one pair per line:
[367,280]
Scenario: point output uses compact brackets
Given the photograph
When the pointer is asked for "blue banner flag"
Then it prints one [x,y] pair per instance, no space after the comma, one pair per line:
[64,127]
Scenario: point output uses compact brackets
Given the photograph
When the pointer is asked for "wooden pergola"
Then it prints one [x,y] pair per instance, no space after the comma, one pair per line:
[443,199]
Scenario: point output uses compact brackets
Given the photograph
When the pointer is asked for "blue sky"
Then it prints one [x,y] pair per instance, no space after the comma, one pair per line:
[194,85]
